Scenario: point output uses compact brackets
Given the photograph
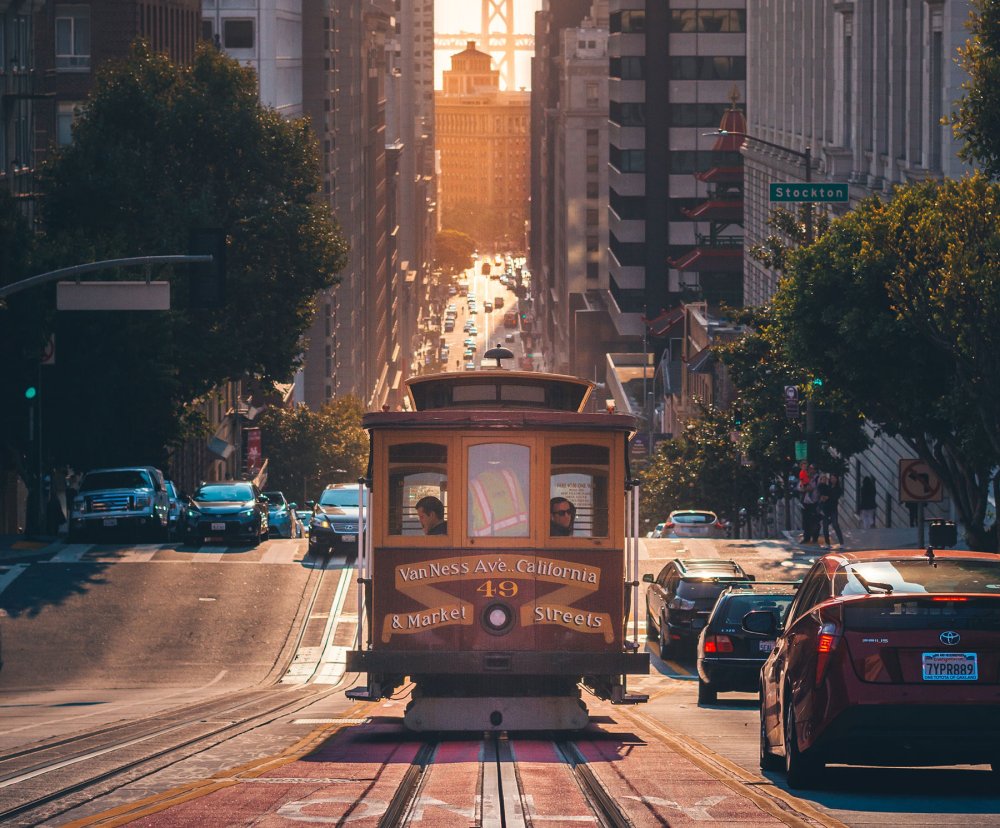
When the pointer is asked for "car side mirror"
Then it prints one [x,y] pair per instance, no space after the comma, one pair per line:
[265,498]
[647,579]
[293,506]
[760,622]
[751,577]
[310,504]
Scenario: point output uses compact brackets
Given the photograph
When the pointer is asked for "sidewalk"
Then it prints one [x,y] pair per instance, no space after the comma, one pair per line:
[16,548]
[858,539]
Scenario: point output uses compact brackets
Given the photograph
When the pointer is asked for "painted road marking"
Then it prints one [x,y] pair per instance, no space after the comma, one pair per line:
[71,553]
[7,578]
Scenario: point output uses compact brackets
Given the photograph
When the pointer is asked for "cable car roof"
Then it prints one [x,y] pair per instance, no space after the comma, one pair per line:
[494,388]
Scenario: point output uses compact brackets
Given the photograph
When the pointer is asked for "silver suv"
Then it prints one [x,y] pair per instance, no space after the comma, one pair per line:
[130,499]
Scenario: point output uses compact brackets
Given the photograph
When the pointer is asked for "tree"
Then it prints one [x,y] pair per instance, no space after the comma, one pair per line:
[898,305]
[305,447]
[976,121]
[760,370]
[453,250]
[159,150]
[701,469]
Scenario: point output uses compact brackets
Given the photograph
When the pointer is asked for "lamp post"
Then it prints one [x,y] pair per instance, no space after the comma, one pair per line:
[806,157]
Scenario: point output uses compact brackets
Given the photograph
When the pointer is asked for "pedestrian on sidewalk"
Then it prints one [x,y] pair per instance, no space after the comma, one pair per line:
[867,503]
[830,492]
[809,496]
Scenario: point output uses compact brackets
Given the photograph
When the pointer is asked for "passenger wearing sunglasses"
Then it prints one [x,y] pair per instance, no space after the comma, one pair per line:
[562,513]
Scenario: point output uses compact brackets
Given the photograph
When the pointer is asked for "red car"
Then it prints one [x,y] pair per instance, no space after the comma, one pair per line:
[884,658]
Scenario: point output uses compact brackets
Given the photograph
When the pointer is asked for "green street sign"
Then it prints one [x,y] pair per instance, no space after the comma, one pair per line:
[801,450]
[822,191]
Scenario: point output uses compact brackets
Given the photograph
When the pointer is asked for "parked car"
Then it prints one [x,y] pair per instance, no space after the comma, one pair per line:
[729,657]
[885,658]
[281,517]
[230,511]
[176,508]
[680,599]
[304,514]
[334,527]
[693,523]
[469,366]
[131,500]
[658,530]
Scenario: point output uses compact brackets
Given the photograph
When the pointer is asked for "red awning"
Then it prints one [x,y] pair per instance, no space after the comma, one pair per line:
[725,260]
[667,319]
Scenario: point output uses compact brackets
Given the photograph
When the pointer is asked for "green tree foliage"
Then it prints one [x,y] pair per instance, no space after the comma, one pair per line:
[760,369]
[453,250]
[699,469]
[159,150]
[481,221]
[305,447]
[898,306]
[976,122]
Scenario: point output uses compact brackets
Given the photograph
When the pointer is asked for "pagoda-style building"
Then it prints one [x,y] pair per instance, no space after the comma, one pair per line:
[717,257]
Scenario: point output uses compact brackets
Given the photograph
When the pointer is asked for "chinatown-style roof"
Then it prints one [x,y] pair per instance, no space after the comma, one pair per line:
[721,175]
[730,210]
[716,259]
[735,123]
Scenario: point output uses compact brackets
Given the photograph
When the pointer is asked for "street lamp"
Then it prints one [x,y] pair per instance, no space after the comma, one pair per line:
[806,156]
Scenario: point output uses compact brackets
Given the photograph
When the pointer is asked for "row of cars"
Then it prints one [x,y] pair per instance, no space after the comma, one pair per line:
[139,502]
[888,657]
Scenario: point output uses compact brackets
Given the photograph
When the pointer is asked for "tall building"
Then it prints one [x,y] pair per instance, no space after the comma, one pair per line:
[579,222]
[674,70]
[482,138]
[863,85]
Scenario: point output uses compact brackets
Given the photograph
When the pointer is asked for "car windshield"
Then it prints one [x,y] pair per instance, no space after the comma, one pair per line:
[739,605]
[116,479]
[275,499]
[224,492]
[695,517]
[701,589]
[341,497]
[919,576]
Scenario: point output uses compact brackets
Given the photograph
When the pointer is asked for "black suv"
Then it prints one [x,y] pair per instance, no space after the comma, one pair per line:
[729,657]
[680,599]
[334,525]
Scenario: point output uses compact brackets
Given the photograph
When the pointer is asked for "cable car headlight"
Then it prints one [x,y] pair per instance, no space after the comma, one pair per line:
[498,619]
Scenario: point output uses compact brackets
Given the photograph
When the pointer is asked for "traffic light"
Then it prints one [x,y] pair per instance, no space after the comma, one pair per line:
[737,416]
[207,286]
[30,392]
[817,382]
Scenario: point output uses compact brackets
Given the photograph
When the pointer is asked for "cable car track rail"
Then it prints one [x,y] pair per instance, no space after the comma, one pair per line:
[167,735]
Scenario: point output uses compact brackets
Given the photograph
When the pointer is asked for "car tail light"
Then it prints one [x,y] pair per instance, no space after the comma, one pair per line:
[668,526]
[677,603]
[718,644]
[719,524]
[827,640]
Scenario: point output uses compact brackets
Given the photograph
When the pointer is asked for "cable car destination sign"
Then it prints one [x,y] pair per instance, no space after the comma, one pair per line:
[817,191]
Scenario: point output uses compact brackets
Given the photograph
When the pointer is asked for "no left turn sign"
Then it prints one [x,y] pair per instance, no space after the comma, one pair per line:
[918,483]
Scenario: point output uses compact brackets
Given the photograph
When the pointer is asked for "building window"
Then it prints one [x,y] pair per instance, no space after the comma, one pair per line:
[207,30]
[66,116]
[593,270]
[593,137]
[593,93]
[629,114]
[237,34]
[627,161]
[708,20]
[591,163]
[627,68]
[592,244]
[592,218]
[72,37]
[592,189]
[708,68]
[633,21]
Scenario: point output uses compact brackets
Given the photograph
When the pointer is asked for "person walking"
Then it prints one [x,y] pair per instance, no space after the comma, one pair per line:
[867,502]
[830,492]
[809,495]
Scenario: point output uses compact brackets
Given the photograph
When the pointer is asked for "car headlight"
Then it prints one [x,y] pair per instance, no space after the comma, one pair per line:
[193,514]
[248,513]
[320,520]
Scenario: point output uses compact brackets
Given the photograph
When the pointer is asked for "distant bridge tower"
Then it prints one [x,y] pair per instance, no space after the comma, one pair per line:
[498,18]
[496,36]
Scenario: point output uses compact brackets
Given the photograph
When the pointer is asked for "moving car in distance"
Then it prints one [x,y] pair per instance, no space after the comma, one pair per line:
[176,508]
[281,517]
[729,657]
[692,523]
[334,527]
[680,599]
[230,511]
[885,658]
[304,515]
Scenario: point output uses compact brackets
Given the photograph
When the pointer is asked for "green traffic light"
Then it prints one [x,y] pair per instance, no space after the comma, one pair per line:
[30,392]
[817,382]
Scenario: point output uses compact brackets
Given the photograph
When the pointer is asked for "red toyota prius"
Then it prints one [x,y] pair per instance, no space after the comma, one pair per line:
[884,658]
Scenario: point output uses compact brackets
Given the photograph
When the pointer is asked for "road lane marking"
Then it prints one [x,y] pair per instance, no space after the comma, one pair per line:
[7,578]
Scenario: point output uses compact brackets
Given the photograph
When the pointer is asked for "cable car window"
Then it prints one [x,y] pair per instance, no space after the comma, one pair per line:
[578,490]
[523,393]
[417,471]
[499,482]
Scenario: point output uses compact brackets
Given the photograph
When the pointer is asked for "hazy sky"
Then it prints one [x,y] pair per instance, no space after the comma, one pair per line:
[454,16]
